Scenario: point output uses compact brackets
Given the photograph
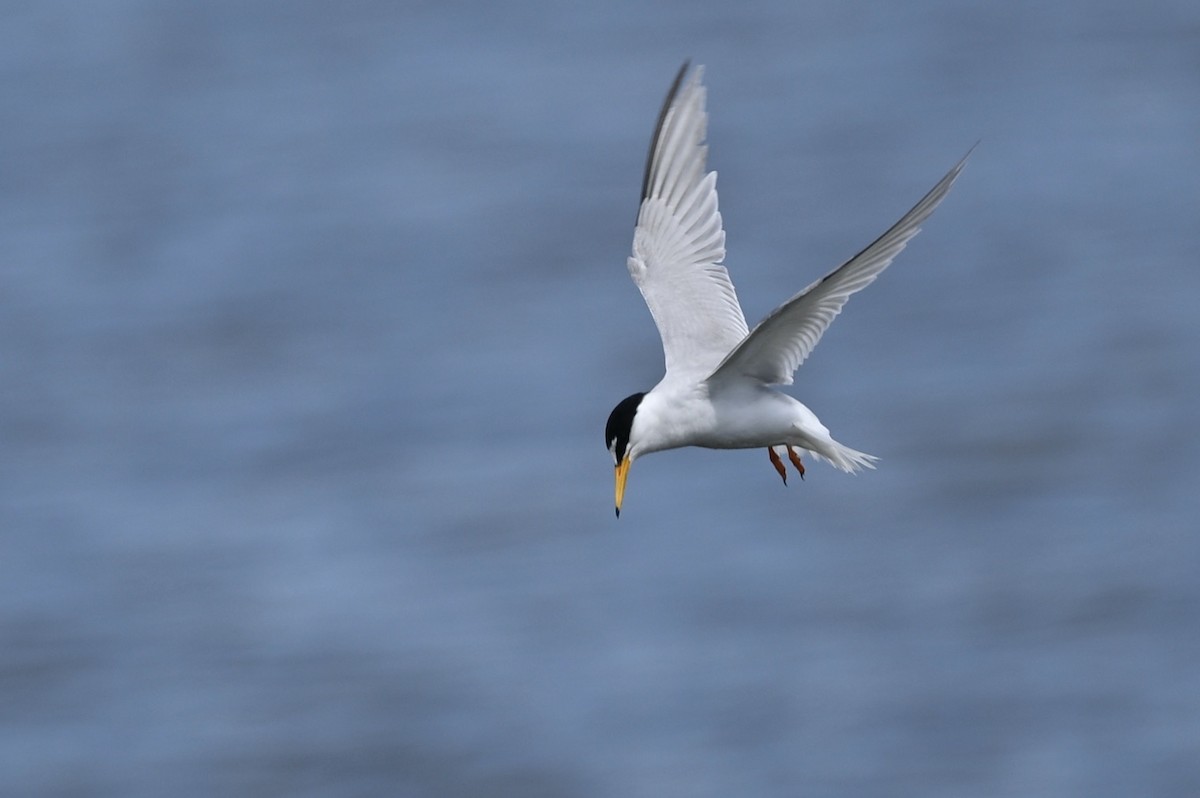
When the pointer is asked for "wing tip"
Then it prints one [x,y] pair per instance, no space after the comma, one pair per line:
[668,101]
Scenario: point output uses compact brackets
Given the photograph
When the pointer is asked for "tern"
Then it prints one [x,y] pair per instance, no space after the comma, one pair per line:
[716,391]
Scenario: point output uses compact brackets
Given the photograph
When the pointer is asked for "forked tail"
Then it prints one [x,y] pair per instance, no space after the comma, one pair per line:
[843,457]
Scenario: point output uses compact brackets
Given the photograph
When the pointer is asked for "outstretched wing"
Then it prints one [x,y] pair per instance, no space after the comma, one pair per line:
[783,340]
[679,242]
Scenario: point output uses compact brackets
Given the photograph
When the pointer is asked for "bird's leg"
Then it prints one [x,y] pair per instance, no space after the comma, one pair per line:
[775,461]
[795,458]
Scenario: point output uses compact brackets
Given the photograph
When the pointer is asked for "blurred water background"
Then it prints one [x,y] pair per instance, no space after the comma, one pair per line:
[311,315]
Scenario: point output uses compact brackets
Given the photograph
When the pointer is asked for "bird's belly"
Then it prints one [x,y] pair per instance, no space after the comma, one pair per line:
[762,419]
[745,438]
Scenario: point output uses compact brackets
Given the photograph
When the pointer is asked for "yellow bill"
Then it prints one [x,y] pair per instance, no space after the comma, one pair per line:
[622,475]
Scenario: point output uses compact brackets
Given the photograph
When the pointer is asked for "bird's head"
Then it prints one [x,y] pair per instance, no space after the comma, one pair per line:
[618,436]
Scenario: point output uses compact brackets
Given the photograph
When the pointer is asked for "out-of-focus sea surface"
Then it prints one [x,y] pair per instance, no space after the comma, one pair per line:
[311,315]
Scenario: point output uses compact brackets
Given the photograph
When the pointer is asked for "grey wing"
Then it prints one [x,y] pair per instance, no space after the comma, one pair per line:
[777,346]
[679,243]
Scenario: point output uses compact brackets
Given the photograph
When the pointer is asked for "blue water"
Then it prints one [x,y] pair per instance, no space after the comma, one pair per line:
[311,315]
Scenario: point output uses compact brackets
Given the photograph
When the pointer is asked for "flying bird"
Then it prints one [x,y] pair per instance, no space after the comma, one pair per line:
[716,392]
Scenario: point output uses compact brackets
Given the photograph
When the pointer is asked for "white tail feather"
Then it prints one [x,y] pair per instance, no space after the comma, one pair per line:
[843,457]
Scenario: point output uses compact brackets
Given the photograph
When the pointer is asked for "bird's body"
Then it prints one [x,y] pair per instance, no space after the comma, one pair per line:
[717,392]
[741,415]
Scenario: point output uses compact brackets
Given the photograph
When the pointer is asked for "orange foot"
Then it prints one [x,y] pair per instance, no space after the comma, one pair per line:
[795,458]
[775,461]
